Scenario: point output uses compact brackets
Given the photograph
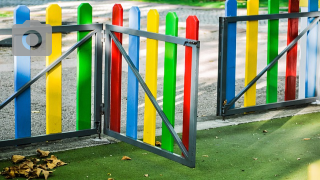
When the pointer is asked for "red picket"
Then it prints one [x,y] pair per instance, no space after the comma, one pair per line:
[291,71]
[192,32]
[116,69]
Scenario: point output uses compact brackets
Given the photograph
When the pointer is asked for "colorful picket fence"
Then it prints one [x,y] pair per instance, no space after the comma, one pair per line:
[83,107]
[308,57]
[53,78]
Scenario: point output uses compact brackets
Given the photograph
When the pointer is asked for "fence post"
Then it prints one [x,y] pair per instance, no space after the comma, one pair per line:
[192,32]
[231,10]
[53,86]
[84,70]
[311,61]
[132,97]
[291,70]
[149,131]
[251,53]
[116,70]
[22,74]
[273,45]
[169,82]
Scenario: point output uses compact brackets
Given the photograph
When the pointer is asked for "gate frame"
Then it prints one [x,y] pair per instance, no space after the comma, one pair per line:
[223,107]
[96,31]
[188,158]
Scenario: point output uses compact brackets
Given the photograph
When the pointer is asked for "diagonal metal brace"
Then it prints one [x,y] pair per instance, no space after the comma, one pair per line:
[48,68]
[270,65]
[149,94]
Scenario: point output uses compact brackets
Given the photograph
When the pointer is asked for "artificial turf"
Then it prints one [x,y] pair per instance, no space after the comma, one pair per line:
[231,152]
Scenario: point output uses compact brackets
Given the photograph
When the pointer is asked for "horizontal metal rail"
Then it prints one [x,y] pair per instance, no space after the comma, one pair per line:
[156,36]
[63,29]
[270,16]
[149,94]
[49,137]
[270,106]
[270,65]
[48,68]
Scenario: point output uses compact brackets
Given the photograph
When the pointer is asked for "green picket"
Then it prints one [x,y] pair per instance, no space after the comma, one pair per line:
[169,82]
[84,71]
[272,52]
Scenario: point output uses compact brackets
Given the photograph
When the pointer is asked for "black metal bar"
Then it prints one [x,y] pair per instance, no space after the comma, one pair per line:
[270,65]
[48,68]
[149,94]
[193,105]
[223,73]
[107,82]
[98,80]
[49,137]
[150,148]
[161,37]
[271,16]
[63,28]
[219,103]
[270,106]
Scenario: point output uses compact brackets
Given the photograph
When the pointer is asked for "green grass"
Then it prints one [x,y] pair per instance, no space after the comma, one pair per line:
[231,151]
[213,3]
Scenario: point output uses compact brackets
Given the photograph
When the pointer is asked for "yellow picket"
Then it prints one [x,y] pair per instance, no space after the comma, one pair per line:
[53,77]
[151,78]
[251,53]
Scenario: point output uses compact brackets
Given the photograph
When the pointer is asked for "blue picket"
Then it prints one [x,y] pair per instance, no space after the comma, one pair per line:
[311,59]
[231,10]
[22,75]
[132,97]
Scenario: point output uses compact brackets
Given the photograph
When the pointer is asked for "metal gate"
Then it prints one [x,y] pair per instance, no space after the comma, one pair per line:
[224,107]
[188,155]
[96,32]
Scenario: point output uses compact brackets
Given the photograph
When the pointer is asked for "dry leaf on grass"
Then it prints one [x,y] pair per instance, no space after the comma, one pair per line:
[264,131]
[126,158]
[205,155]
[54,162]
[29,167]
[306,139]
[146,175]
[158,143]
[110,178]
[43,153]
[17,158]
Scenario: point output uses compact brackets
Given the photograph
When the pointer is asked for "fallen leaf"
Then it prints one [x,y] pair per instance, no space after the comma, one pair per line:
[306,139]
[110,178]
[42,153]
[205,155]
[255,159]
[126,158]
[17,158]
[298,158]
[264,131]
[146,175]
[158,143]
[46,174]
[54,162]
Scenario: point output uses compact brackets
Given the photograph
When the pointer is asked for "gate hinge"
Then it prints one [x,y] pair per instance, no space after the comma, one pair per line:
[102,108]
